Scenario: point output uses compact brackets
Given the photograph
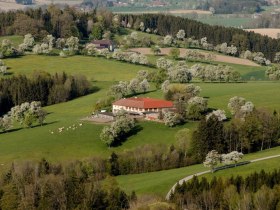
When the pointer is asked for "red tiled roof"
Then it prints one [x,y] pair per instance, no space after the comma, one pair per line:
[144,103]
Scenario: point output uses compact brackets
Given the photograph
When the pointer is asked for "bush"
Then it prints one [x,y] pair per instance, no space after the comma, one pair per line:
[115,133]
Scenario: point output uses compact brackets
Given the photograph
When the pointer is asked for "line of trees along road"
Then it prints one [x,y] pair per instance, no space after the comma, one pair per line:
[170,25]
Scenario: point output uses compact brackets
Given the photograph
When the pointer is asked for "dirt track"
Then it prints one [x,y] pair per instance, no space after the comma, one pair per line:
[219,58]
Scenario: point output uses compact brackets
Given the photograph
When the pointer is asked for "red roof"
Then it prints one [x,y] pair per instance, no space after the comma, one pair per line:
[144,103]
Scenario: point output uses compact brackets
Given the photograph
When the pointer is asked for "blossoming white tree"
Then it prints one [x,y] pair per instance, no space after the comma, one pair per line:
[232,157]
[3,68]
[168,40]
[28,43]
[165,86]
[212,159]
[73,44]
[220,114]
[181,34]
[5,123]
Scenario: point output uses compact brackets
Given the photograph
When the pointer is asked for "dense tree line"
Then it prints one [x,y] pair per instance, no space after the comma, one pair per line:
[258,130]
[236,6]
[53,20]
[99,24]
[267,20]
[170,25]
[41,86]
[256,191]
[151,158]
[50,186]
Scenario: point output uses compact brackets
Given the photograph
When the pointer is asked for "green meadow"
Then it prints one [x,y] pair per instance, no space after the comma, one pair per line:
[160,182]
[16,40]
[38,142]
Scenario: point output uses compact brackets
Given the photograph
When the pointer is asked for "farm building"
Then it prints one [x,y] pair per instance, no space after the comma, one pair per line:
[141,105]
[104,44]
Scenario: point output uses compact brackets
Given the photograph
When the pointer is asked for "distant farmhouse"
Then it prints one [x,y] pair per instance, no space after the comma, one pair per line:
[141,106]
[104,44]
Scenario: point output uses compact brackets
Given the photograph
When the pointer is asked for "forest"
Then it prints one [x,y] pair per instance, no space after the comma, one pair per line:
[256,191]
[164,25]
[69,22]
[50,186]
[43,87]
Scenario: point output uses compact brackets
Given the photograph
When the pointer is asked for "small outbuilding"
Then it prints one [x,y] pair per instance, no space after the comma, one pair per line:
[104,44]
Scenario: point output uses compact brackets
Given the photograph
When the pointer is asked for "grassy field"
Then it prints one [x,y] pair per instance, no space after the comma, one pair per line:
[160,182]
[96,69]
[16,40]
[38,142]
[262,94]
[84,142]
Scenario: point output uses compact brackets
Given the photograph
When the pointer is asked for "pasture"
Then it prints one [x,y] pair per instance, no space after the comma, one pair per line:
[84,142]
[160,182]
[262,94]
[16,40]
[38,142]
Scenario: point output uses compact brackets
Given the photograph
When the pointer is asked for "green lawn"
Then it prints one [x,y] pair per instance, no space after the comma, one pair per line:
[160,182]
[262,94]
[99,69]
[84,142]
[36,143]
[267,165]
[16,40]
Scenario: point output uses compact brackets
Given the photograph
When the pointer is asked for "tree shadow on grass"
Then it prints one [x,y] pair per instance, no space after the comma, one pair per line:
[142,93]
[8,73]
[12,130]
[44,124]
[133,132]
[94,89]
[21,128]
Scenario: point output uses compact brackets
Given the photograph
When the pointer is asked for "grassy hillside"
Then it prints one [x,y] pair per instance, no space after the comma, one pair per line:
[36,143]
[96,69]
[160,182]
[267,165]
[262,94]
[84,142]
[16,40]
